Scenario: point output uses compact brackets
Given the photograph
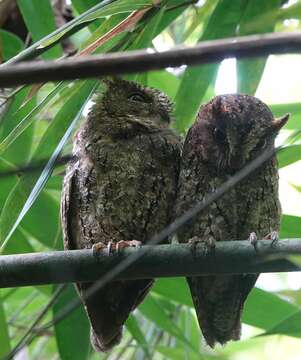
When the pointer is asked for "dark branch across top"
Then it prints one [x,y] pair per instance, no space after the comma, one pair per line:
[141,60]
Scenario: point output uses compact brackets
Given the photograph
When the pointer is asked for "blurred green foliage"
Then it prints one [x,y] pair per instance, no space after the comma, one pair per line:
[35,120]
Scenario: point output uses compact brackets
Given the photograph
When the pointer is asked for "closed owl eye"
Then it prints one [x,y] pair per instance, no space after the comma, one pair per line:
[262,144]
[219,135]
[137,97]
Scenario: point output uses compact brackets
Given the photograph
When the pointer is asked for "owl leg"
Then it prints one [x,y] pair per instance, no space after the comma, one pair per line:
[253,240]
[100,246]
[274,236]
[129,243]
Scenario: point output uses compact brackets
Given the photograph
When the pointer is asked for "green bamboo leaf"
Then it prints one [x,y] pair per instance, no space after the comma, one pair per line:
[264,310]
[134,328]
[70,27]
[10,45]
[4,334]
[175,289]
[164,81]
[39,19]
[42,221]
[82,6]
[290,227]
[290,326]
[29,186]
[288,155]
[249,71]
[151,309]
[222,23]
[144,40]
[14,112]
[117,7]
[20,244]
[178,353]
[27,120]
[72,333]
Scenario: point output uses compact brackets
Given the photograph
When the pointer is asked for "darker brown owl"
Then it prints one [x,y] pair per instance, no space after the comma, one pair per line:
[120,187]
[229,131]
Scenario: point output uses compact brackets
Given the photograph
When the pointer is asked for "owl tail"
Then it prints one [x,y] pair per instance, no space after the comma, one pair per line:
[109,308]
[218,302]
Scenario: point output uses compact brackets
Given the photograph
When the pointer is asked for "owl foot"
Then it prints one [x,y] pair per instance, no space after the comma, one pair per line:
[208,242]
[129,243]
[253,240]
[274,236]
[100,246]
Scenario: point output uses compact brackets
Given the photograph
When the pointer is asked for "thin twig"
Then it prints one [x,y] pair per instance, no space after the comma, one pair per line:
[141,60]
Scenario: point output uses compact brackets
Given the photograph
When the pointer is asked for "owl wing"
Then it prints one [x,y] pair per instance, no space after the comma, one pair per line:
[109,307]
[67,208]
[218,301]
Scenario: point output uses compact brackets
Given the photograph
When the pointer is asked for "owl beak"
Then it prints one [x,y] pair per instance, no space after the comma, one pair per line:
[278,123]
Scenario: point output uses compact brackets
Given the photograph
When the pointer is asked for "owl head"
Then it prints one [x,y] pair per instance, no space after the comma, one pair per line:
[232,130]
[126,104]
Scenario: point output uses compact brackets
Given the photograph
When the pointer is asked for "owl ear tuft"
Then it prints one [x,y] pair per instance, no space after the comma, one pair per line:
[278,123]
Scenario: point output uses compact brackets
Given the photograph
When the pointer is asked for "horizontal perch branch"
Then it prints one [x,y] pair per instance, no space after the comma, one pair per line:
[157,261]
[136,61]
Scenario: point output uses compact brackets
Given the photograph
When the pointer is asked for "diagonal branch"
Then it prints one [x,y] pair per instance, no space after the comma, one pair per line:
[229,257]
[141,60]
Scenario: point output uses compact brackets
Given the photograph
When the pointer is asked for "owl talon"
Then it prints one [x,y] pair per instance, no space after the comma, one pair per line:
[100,246]
[253,240]
[273,236]
[208,242]
[127,243]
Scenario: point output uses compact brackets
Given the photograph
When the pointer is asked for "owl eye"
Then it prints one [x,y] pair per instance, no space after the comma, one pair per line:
[262,144]
[219,135]
[137,97]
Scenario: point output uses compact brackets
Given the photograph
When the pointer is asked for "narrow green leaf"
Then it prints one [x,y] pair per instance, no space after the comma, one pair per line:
[39,19]
[290,326]
[175,289]
[29,186]
[221,24]
[83,5]
[144,40]
[27,120]
[73,333]
[116,7]
[10,45]
[290,227]
[134,328]
[165,81]
[264,310]
[249,71]
[14,112]
[37,48]
[289,155]
[151,309]
[177,353]
[4,334]
[42,221]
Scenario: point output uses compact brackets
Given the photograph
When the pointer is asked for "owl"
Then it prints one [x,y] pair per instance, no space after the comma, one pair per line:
[120,189]
[229,131]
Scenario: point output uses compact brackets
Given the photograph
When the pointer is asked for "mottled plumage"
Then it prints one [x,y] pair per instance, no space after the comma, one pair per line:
[229,131]
[120,186]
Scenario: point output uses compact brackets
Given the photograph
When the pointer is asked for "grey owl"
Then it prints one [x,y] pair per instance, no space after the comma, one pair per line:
[120,188]
[229,131]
